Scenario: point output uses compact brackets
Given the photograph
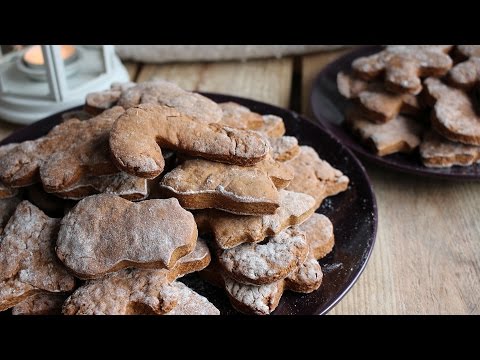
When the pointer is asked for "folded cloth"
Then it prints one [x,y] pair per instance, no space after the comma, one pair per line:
[167,53]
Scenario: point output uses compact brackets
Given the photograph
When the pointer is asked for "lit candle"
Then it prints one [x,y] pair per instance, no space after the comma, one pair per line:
[34,56]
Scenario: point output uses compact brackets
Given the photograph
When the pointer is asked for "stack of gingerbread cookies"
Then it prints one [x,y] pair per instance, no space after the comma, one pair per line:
[417,96]
[133,180]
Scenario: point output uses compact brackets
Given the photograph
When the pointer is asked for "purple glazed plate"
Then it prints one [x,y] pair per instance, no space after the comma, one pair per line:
[328,107]
[353,214]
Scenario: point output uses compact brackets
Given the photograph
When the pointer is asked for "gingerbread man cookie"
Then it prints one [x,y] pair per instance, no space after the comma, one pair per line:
[162,92]
[135,291]
[263,299]
[260,264]
[467,74]
[439,152]
[403,65]
[231,230]
[378,104]
[137,134]
[402,134]
[69,151]
[240,117]
[28,264]
[454,115]
[202,184]
[315,176]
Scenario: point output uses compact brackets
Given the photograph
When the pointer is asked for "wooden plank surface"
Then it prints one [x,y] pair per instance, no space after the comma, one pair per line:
[133,69]
[427,255]
[263,80]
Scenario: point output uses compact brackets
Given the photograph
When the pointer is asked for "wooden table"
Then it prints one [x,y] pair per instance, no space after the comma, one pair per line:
[427,255]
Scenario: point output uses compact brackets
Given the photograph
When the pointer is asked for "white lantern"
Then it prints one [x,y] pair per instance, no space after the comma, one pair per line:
[39,81]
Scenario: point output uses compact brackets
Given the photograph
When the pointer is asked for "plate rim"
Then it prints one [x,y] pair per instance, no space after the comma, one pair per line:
[40,126]
[356,146]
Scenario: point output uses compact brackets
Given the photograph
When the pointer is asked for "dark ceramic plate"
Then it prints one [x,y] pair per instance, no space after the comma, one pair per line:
[353,214]
[328,106]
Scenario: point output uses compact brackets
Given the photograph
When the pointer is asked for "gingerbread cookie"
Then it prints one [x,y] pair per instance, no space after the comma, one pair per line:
[264,299]
[260,264]
[240,117]
[403,65]
[273,126]
[28,264]
[124,185]
[315,176]
[202,184]
[454,115]
[439,152]
[41,304]
[69,151]
[251,299]
[191,303]
[231,230]
[467,74]
[319,234]
[99,101]
[125,292]
[318,231]
[137,134]
[284,148]
[162,92]
[136,291]
[378,104]
[402,134]
[105,233]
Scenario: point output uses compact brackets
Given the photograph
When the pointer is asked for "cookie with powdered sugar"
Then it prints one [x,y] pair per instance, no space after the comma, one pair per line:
[315,177]
[105,233]
[28,264]
[284,148]
[438,152]
[230,230]
[162,92]
[265,263]
[307,277]
[454,115]
[136,291]
[71,150]
[202,184]
[466,74]
[403,66]
[240,117]
[138,134]
[377,104]
[401,134]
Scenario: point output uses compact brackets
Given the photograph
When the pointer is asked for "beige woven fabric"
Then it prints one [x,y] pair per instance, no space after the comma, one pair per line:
[168,53]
